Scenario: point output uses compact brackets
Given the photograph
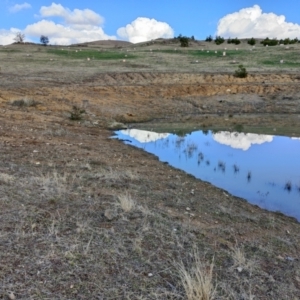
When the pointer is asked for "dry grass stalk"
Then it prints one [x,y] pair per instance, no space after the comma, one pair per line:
[126,202]
[197,281]
[238,256]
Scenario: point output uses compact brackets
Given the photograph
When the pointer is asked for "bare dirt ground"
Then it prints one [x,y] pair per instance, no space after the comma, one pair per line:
[84,216]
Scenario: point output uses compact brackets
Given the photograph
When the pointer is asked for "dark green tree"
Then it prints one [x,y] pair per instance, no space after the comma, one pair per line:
[44,40]
[184,41]
[252,41]
[219,40]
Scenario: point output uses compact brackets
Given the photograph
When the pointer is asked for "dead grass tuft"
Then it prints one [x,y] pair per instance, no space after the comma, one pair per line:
[198,280]
[126,202]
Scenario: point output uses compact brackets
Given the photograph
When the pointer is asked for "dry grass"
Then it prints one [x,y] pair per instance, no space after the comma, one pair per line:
[197,280]
[126,202]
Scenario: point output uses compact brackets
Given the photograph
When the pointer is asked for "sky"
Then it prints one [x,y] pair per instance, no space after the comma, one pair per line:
[65,22]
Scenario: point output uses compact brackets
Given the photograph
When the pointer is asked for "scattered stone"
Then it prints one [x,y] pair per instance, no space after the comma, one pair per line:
[11,296]
[110,214]
[239,269]
[188,209]
[290,258]
[150,275]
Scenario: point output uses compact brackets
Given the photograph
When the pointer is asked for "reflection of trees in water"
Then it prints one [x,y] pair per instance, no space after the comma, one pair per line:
[179,141]
[236,168]
[249,176]
[190,149]
[288,186]
[222,166]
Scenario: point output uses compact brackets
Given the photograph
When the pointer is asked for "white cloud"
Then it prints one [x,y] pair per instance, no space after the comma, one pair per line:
[18,7]
[77,26]
[75,17]
[65,35]
[145,29]
[144,136]
[252,22]
[241,140]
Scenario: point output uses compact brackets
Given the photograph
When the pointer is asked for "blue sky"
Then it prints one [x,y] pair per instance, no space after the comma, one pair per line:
[138,20]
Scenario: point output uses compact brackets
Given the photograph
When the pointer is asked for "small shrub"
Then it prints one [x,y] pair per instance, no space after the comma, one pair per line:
[219,40]
[126,202]
[209,39]
[184,41]
[76,113]
[24,102]
[252,42]
[269,42]
[241,72]
[197,280]
[288,41]
[235,41]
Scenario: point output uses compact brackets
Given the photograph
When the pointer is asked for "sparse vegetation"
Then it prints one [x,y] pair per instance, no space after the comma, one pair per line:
[184,41]
[235,41]
[209,39]
[64,233]
[269,42]
[44,40]
[252,41]
[26,102]
[76,113]
[241,72]
[219,40]
[197,280]
[19,38]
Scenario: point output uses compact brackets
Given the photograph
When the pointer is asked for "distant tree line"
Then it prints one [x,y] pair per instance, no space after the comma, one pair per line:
[270,42]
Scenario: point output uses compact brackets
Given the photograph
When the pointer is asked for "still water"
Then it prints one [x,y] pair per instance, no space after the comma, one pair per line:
[263,169]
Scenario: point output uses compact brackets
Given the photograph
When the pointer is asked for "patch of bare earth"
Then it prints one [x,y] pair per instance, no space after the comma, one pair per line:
[83,216]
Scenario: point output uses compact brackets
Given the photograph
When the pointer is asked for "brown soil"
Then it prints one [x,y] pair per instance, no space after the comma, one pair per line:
[63,233]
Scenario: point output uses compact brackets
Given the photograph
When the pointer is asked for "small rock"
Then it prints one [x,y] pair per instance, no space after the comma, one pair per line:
[280,257]
[11,296]
[290,258]
[110,214]
[188,209]
[150,275]
[239,269]
[35,151]
[271,279]
[192,192]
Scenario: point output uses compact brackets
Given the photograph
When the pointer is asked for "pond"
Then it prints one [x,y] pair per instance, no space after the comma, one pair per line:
[263,169]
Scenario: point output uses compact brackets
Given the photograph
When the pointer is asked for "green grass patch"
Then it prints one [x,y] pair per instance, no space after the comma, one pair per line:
[92,54]
[9,50]
[285,64]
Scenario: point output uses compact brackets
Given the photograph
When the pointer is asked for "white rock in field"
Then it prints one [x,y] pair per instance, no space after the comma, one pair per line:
[239,269]
[188,209]
[11,296]
[150,275]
